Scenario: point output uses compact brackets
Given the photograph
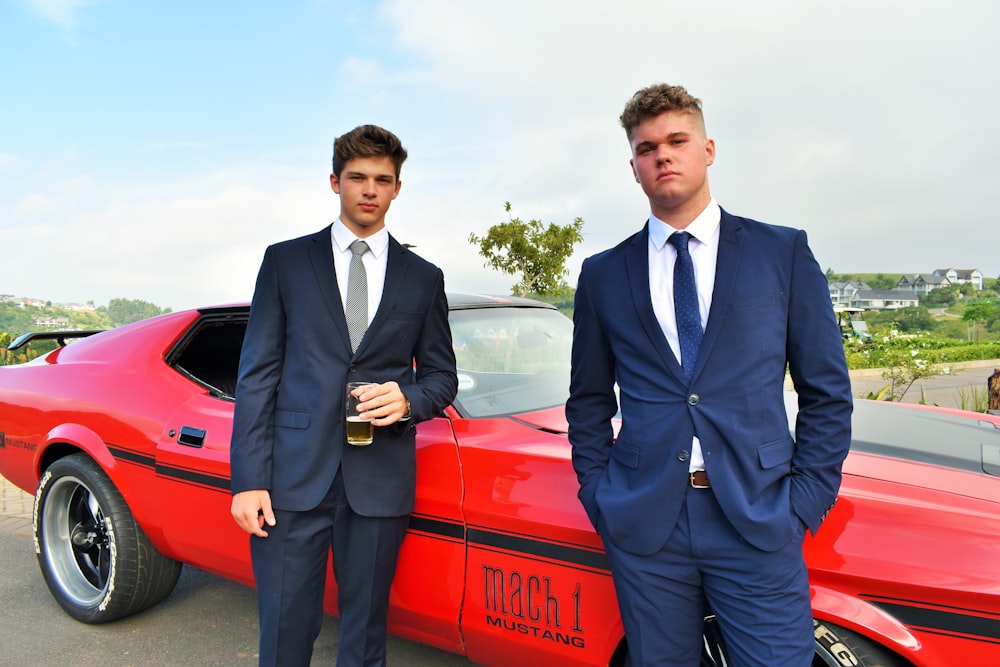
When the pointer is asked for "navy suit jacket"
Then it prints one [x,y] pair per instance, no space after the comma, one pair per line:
[288,428]
[770,308]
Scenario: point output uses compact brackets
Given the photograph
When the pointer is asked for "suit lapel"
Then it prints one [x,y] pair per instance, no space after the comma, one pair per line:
[637,270]
[395,279]
[727,266]
[321,259]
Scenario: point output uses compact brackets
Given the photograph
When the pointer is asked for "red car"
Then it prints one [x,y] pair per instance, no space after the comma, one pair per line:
[123,437]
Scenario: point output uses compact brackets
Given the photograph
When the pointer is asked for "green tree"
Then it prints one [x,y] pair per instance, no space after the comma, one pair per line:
[976,312]
[124,311]
[883,281]
[942,296]
[903,369]
[530,250]
[913,319]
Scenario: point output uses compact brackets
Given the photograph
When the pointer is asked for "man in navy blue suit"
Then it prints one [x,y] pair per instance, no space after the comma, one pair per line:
[704,497]
[298,487]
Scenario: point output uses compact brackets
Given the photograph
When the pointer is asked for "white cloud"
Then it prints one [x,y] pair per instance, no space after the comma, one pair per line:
[866,124]
[177,245]
[870,125]
[60,12]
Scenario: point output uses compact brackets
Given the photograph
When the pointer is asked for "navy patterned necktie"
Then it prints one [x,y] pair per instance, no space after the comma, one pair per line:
[689,330]
[356,309]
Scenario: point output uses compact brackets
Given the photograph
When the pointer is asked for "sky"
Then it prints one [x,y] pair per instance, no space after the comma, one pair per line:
[153,150]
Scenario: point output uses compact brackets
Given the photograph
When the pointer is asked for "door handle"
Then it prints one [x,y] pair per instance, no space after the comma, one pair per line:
[191,436]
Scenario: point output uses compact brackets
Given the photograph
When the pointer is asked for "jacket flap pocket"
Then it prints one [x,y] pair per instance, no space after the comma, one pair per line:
[627,455]
[776,453]
[291,418]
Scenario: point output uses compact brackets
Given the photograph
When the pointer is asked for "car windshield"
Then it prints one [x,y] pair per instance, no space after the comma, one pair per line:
[511,360]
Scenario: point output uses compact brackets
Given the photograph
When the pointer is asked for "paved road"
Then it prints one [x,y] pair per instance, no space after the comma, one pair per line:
[945,390]
[208,621]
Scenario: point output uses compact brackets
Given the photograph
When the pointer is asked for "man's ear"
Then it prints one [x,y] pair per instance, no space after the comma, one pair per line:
[335,183]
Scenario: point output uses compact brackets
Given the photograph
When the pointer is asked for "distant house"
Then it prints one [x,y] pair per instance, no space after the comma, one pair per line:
[962,276]
[843,293]
[922,283]
[884,299]
[52,322]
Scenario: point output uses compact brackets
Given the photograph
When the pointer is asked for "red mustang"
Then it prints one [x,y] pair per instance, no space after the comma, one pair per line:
[123,436]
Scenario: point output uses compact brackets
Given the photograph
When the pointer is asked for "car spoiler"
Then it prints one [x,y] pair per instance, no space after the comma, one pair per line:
[60,336]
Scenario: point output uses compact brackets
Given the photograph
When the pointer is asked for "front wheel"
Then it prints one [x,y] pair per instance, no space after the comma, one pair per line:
[835,647]
[840,647]
[96,561]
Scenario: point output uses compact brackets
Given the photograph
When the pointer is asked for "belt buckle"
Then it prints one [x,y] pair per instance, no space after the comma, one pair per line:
[695,485]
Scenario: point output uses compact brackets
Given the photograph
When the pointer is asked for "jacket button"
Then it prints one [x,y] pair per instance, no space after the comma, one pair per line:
[693,399]
[684,455]
[353,369]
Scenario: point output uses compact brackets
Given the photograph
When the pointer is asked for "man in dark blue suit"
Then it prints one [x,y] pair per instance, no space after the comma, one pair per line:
[704,497]
[298,487]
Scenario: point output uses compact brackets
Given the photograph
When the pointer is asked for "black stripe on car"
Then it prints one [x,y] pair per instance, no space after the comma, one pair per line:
[969,624]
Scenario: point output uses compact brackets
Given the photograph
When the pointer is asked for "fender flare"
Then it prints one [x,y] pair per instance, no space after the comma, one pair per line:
[855,614]
[77,437]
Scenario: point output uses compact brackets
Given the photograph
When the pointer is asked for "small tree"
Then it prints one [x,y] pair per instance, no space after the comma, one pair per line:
[902,370]
[531,250]
[976,312]
[125,311]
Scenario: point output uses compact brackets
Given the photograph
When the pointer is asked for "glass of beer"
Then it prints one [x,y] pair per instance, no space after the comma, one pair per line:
[359,431]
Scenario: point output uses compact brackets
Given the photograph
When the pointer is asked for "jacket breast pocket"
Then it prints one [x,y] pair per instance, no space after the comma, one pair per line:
[403,316]
[758,302]
[291,418]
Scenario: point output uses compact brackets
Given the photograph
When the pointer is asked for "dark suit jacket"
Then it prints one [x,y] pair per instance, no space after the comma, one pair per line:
[770,307]
[288,429]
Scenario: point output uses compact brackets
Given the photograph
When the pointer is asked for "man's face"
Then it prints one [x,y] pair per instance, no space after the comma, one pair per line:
[670,160]
[367,186]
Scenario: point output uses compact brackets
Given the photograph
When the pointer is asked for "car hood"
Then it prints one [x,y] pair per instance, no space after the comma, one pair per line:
[552,420]
[949,438]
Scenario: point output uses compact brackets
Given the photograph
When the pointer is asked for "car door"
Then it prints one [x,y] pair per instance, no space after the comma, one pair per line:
[193,492]
[427,593]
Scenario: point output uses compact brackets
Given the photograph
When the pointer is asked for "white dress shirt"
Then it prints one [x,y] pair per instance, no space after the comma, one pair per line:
[704,247]
[376,260]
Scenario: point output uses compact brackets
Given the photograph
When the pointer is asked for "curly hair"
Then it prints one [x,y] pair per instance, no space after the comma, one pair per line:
[367,141]
[657,99]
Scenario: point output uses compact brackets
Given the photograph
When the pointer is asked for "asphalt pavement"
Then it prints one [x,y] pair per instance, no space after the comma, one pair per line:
[206,622]
[945,389]
[209,621]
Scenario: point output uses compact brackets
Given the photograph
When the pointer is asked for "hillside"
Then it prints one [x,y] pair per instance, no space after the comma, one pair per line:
[16,319]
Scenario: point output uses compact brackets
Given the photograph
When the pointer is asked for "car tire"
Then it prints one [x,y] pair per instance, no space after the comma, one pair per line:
[96,560]
[835,647]
[840,647]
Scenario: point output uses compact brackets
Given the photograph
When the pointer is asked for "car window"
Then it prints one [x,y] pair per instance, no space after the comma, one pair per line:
[210,354]
[511,360]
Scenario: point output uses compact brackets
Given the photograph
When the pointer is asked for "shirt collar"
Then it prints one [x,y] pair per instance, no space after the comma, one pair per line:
[702,228]
[343,238]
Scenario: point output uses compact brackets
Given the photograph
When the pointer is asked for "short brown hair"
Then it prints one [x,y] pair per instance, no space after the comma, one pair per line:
[657,99]
[367,141]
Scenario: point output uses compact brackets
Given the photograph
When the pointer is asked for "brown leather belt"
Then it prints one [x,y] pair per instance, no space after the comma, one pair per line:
[698,480]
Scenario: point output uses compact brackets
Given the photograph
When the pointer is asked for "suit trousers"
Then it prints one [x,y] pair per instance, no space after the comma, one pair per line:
[290,571]
[760,598]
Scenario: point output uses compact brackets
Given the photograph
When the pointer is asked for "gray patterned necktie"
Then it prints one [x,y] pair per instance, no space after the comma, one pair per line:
[689,330]
[357,295]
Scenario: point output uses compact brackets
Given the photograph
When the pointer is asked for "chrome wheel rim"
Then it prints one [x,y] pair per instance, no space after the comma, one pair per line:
[77,541]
